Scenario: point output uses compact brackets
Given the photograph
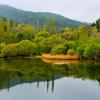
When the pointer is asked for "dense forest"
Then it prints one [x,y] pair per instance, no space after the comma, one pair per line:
[25,40]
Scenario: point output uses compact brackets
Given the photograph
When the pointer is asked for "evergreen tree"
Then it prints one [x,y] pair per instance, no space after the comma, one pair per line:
[8,25]
[1,25]
[98,24]
[37,26]
[13,26]
[53,25]
[47,25]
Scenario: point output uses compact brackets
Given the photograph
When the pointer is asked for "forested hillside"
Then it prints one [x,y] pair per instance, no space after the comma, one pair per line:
[36,17]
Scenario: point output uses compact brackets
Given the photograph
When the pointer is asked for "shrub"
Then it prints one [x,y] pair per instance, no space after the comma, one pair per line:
[25,48]
[80,51]
[2,45]
[70,45]
[58,50]
[71,52]
[92,51]
[9,50]
[43,34]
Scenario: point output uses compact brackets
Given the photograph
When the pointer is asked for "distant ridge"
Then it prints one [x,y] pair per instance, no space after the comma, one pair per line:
[22,16]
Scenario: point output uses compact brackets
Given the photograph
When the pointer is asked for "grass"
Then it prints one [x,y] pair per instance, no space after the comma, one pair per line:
[60,57]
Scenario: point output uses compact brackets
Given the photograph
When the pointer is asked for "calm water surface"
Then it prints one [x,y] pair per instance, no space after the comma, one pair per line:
[33,79]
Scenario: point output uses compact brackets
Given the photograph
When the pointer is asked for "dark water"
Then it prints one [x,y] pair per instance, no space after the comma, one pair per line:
[33,79]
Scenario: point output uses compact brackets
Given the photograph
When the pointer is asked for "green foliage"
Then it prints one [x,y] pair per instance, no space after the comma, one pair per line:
[2,45]
[53,25]
[80,51]
[58,49]
[43,34]
[1,25]
[98,24]
[24,48]
[92,51]
[70,45]
[71,52]
[50,42]
[47,25]
[8,25]
[24,32]
[32,17]
[69,34]
[9,50]
[26,40]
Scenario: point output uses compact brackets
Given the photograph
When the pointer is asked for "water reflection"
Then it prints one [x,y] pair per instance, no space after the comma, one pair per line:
[29,70]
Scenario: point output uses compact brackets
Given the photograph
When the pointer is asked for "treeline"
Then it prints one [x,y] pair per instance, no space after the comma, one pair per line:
[97,24]
[26,40]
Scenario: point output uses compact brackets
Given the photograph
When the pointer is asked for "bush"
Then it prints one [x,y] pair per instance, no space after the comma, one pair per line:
[70,45]
[71,52]
[51,42]
[9,51]
[92,51]
[80,51]
[24,48]
[2,45]
[43,34]
[58,50]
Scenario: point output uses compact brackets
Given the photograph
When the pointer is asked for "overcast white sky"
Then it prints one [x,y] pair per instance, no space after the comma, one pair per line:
[82,10]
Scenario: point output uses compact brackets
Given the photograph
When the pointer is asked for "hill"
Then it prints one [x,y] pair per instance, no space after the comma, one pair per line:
[31,17]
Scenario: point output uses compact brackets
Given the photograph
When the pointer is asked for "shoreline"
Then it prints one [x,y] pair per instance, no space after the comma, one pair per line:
[50,57]
[66,57]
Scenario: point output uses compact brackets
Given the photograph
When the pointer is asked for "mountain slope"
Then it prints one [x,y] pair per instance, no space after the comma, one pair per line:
[31,17]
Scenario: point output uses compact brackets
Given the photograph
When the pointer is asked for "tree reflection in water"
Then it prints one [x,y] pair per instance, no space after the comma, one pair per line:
[33,70]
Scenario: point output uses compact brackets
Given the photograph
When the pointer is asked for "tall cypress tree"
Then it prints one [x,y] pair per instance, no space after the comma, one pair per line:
[47,25]
[37,26]
[53,25]
[8,24]
[13,26]
[98,25]
[1,25]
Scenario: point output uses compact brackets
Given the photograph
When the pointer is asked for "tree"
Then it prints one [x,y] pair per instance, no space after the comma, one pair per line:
[2,45]
[80,51]
[24,32]
[98,24]
[92,51]
[13,26]
[47,25]
[8,25]
[1,25]
[53,27]
[37,26]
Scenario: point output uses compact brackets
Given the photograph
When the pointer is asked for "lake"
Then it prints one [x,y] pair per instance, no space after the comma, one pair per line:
[34,79]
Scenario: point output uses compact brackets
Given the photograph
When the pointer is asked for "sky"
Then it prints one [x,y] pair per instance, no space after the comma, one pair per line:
[82,10]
